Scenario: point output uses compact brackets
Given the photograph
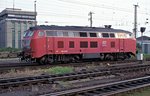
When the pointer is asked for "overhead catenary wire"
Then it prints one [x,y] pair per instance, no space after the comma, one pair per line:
[102,6]
[74,12]
[84,3]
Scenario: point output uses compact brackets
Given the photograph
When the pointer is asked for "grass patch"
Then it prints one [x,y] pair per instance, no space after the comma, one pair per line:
[139,92]
[9,49]
[59,70]
[146,55]
[21,73]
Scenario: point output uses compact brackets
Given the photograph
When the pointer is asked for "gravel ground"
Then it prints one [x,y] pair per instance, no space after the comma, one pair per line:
[32,90]
[35,90]
[12,60]
[30,72]
[25,73]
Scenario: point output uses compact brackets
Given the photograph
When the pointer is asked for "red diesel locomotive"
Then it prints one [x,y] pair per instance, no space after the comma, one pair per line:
[48,44]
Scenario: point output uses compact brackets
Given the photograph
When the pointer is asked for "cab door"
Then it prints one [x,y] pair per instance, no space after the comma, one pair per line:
[40,43]
[50,38]
[50,45]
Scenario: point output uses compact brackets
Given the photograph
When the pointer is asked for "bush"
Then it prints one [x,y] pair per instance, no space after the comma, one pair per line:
[146,55]
[59,70]
[9,49]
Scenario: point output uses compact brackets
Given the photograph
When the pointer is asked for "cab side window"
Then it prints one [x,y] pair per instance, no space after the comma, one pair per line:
[83,34]
[41,34]
[105,35]
[93,34]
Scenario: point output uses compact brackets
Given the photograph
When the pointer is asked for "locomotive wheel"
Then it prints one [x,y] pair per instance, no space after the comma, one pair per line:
[50,60]
[42,60]
[77,59]
[28,60]
[123,57]
[102,56]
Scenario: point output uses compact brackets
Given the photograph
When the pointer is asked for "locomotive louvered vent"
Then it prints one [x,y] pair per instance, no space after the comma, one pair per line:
[107,26]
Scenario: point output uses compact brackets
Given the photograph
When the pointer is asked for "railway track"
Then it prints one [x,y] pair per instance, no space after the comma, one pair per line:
[7,83]
[105,89]
[7,66]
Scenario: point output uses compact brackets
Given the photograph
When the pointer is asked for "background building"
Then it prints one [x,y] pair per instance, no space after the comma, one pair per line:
[13,23]
[146,44]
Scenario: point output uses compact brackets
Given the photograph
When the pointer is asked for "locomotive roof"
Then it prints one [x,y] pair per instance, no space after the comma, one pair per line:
[77,28]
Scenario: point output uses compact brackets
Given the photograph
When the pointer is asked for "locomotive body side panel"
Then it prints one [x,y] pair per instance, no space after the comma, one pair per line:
[73,45]
[130,45]
[60,45]
[109,45]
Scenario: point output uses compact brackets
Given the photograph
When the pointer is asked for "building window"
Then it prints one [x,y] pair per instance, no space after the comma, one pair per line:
[60,44]
[71,44]
[83,44]
[93,35]
[30,24]
[19,35]
[145,48]
[106,35]
[83,34]
[25,26]
[13,35]
[93,44]
[112,44]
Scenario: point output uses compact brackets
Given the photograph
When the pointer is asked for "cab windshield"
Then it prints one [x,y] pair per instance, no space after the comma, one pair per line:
[28,34]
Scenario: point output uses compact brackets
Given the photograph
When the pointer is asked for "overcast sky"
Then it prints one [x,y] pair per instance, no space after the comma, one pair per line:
[118,13]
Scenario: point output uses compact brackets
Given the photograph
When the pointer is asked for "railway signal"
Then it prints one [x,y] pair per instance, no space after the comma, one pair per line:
[142,29]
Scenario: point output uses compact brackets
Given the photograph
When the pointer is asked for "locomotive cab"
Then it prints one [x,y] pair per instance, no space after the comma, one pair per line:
[26,47]
[33,45]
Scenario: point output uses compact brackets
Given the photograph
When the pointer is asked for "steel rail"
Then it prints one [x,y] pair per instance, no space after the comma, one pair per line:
[19,63]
